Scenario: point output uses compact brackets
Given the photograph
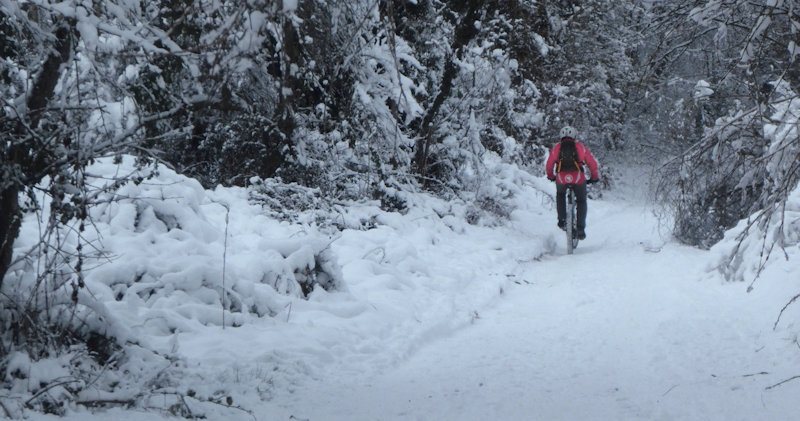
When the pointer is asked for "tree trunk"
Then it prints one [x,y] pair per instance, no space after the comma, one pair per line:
[10,218]
[425,138]
[280,142]
[29,162]
[464,32]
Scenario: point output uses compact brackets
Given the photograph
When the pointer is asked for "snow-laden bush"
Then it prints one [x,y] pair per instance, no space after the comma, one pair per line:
[747,248]
[156,255]
[168,241]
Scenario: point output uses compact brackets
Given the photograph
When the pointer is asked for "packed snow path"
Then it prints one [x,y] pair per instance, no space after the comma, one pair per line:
[623,329]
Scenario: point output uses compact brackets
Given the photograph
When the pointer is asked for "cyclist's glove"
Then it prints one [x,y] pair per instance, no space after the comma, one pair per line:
[551,178]
[592,180]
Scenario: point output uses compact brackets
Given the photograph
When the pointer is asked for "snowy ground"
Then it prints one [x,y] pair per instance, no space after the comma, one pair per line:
[446,321]
[620,330]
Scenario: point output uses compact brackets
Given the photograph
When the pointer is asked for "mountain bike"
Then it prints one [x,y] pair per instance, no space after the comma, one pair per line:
[572,220]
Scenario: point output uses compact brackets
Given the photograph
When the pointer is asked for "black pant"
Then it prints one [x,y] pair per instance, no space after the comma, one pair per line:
[580,199]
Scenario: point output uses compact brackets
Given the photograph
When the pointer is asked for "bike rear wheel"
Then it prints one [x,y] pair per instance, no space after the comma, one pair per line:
[572,222]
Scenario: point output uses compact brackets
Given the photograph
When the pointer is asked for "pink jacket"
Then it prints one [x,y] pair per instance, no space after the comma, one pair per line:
[572,177]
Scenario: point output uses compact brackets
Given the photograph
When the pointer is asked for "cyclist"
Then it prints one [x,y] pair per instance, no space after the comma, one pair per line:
[565,167]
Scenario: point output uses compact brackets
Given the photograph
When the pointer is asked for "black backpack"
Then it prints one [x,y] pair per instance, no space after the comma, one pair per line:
[568,157]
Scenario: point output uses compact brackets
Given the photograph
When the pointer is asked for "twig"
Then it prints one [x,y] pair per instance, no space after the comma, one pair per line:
[756,374]
[99,402]
[47,388]
[229,404]
[780,383]
[224,260]
[182,397]
[795,298]
[111,360]
[8,414]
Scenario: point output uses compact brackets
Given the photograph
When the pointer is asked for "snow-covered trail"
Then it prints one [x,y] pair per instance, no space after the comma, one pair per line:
[623,329]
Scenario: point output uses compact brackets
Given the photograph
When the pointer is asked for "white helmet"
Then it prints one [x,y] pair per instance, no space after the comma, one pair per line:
[569,131]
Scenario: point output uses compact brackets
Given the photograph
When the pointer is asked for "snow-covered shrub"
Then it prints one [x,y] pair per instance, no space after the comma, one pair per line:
[286,201]
[748,247]
[167,237]
[157,255]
